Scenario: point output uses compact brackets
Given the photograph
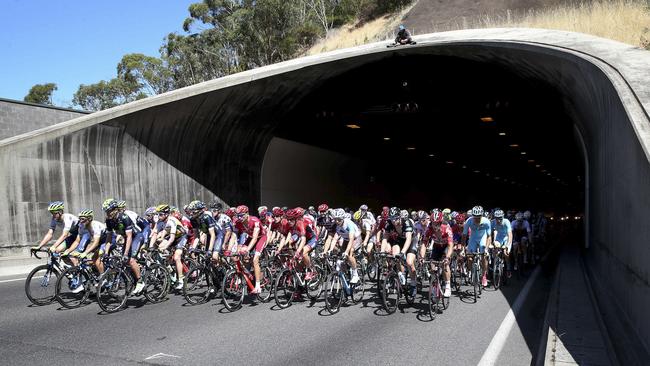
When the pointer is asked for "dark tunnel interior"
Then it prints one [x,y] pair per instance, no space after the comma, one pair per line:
[440,131]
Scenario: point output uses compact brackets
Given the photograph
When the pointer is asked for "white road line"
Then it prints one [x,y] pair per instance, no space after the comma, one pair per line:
[501,336]
[14,280]
[160,355]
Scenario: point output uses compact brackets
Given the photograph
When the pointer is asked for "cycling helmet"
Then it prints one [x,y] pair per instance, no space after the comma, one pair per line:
[348,216]
[404,214]
[519,216]
[453,214]
[285,208]
[230,212]
[188,208]
[527,215]
[56,206]
[414,214]
[293,214]
[150,211]
[323,207]
[477,211]
[422,215]
[90,214]
[277,212]
[338,214]
[357,215]
[121,204]
[163,208]
[109,205]
[401,27]
[216,206]
[363,207]
[393,213]
[241,210]
[437,217]
[498,214]
[198,205]
[469,212]
[176,212]
[261,209]
[446,211]
[461,218]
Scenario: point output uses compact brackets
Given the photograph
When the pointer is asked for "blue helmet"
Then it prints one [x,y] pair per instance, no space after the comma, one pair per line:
[401,27]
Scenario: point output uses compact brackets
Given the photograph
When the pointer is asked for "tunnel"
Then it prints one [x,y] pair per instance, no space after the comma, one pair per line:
[519,118]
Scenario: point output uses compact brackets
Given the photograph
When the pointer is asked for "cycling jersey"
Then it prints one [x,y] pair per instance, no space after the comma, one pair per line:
[442,236]
[502,230]
[520,230]
[204,222]
[281,227]
[248,228]
[88,232]
[478,233]
[224,222]
[397,233]
[304,227]
[67,221]
[139,221]
[327,222]
[346,228]
[121,225]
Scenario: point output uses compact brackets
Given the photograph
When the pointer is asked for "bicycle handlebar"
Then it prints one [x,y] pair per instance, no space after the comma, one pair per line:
[35,251]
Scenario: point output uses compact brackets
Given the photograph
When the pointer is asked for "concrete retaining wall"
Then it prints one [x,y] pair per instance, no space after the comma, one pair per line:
[18,117]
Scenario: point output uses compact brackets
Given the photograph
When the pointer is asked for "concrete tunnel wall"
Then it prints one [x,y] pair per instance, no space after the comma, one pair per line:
[217,133]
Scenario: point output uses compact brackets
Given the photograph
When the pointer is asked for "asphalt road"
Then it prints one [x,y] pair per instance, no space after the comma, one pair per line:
[304,334]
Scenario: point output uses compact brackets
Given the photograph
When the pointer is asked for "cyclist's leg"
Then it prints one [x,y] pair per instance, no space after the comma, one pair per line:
[135,246]
[524,248]
[259,248]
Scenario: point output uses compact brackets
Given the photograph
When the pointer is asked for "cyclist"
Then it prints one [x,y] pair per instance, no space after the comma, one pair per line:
[253,236]
[175,233]
[348,237]
[279,228]
[141,222]
[89,231]
[119,223]
[398,240]
[478,227]
[69,223]
[326,225]
[422,226]
[224,228]
[304,234]
[502,234]
[443,245]
[206,226]
[403,35]
[521,236]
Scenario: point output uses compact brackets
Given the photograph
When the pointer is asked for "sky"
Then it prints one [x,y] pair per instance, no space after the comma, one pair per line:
[73,42]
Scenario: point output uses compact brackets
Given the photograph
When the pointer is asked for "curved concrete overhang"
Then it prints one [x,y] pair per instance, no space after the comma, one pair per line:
[217,132]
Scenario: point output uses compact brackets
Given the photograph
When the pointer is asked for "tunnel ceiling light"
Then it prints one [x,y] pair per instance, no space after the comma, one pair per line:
[523,153]
[353,126]
[538,166]
[548,173]
[531,161]
[502,133]
[464,166]
[487,119]
[543,170]
[497,178]
[386,138]
[431,155]
[410,148]
[477,171]
[449,162]
[514,145]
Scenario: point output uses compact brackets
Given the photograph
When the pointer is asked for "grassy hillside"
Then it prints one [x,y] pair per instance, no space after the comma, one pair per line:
[626,21]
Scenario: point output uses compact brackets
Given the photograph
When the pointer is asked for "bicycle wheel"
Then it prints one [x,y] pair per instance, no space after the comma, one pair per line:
[70,280]
[475,280]
[196,289]
[497,273]
[390,293]
[434,298]
[372,268]
[334,293]
[233,290]
[40,285]
[266,285]
[359,288]
[315,284]
[285,287]
[455,275]
[113,290]
[156,283]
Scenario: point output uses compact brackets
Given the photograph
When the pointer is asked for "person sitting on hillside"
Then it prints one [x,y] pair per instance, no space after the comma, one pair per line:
[403,36]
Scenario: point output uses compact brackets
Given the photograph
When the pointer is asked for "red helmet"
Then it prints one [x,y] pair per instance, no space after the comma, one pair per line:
[294,214]
[300,211]
[436,217]
[277,212]
[323,207]
[460,218]
[230,212]
[241,210]
[384,211]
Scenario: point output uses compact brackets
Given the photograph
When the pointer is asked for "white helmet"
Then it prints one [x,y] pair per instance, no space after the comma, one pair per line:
[477,211]
[519,216]
[339,213]
[527,215]
[498,214]
[404,214]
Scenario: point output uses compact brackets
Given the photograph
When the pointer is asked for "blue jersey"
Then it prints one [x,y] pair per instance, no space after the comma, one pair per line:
[502,230]
[478,233]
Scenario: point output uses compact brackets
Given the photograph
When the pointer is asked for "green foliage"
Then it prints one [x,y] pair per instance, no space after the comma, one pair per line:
[41,93]
[227,36]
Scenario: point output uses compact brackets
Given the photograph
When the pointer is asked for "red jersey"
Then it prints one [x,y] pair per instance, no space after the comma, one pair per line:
[282,226]
[442,236]
[304,227]
[252,223]
[187,224]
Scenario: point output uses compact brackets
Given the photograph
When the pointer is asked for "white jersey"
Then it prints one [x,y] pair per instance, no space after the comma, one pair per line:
[94,230]
[68,222]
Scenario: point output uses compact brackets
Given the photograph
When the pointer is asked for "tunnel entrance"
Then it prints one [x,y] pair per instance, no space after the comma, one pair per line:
[425,131]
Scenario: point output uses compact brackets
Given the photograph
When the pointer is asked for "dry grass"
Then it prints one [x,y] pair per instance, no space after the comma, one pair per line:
[351,35]
[626,21]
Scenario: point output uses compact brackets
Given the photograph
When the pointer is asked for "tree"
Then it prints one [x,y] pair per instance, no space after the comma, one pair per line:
[41,93]
[149,73]
[107,94]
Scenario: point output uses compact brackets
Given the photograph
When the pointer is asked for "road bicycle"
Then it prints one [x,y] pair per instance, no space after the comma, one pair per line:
[391,286]
[291,279]
[338,286]
[204,278]
[238,281]
[476,274]
[40,285]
